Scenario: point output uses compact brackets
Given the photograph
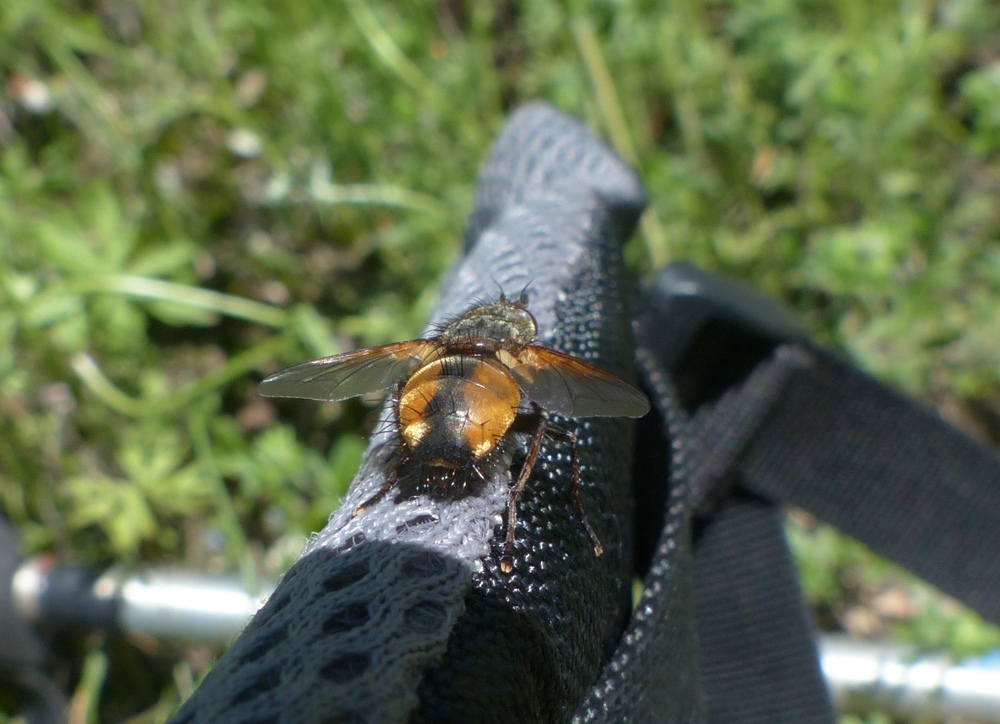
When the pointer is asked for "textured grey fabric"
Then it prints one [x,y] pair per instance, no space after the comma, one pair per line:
[652,676]
[400,613]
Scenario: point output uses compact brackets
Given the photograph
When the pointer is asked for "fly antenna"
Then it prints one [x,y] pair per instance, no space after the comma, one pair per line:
[503,297]
[522,298]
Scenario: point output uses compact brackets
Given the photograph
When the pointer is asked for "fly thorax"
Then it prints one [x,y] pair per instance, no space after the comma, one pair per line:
[500,325]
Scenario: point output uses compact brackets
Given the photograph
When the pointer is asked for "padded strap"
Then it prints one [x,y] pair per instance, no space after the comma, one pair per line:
[652,675]
[400,613]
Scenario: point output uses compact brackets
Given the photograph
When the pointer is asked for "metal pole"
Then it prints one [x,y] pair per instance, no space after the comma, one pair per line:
[865,676]
[160,603]
[862,676]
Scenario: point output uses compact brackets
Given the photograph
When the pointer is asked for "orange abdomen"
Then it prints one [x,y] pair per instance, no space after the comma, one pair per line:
[460,402]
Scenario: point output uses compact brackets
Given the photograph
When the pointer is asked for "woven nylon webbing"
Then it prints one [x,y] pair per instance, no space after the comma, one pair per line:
[757,654]
[776,421]
[886,470]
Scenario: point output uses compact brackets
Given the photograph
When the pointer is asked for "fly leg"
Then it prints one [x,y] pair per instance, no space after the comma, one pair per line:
[506,563]
[383,491]
[557,433]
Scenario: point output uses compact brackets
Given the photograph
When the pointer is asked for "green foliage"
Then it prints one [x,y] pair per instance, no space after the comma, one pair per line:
[193,194]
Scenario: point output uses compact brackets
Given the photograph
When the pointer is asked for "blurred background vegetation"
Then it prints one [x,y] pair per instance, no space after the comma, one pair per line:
[194,193]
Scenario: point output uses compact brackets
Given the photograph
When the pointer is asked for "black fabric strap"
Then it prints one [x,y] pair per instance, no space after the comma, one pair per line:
[809,429]
[757,654]
[775,419]
[885,469]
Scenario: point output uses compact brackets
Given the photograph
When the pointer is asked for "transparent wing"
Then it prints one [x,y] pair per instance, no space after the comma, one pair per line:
[350,374]
[572,387]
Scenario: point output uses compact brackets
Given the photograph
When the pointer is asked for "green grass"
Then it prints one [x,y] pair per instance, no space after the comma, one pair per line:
[194,193]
